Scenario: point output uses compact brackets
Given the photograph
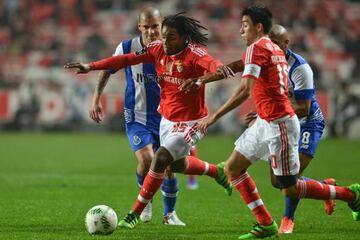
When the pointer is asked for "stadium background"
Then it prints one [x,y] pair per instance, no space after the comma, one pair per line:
[37,37]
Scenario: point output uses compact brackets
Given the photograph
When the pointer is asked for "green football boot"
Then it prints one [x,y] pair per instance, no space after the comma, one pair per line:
[129,221]
[261,231]
[356,216]
[355,205]
[223,180]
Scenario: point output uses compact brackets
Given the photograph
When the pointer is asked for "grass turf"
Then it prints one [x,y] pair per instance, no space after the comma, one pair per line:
[49,181]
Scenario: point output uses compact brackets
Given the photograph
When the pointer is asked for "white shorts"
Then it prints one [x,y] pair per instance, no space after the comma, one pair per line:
[276,142]
[179,137]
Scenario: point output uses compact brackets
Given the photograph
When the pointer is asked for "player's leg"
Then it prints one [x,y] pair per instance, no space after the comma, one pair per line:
[192,183]
[173,147]
[181,137]
[288,220]
[169,190]
[250,147]
[235,168]
[285,168]
[142,143]
[194,166]
[151,185]
[144,156]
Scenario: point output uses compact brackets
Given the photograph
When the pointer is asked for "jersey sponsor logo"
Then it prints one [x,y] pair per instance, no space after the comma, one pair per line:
[128,115]
[170,79]
[136,140]
[141,77]
[141,52]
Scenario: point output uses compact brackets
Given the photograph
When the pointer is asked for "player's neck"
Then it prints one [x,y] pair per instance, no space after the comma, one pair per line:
[258,37]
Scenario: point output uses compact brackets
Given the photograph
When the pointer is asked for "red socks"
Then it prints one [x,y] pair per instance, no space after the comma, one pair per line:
[152,183]
[317,190]
[247,188]
[195,166]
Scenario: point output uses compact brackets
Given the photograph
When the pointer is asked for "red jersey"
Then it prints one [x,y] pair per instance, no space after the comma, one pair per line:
[192,62]
[265,62]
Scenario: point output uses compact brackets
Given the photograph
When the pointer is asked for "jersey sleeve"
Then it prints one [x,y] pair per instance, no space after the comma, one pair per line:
[254,58]
[208,63]
[302,78]
[119,50]
[115,63]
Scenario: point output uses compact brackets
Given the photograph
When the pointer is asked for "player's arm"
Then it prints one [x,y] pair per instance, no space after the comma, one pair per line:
[240,95]
[303,90]
[95,111]
[302,108]
[111,63]
[222,72]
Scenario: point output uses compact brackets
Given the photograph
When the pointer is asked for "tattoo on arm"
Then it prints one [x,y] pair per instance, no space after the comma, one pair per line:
[103,79]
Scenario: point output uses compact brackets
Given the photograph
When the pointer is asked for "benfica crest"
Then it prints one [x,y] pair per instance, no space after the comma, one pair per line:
[179,66]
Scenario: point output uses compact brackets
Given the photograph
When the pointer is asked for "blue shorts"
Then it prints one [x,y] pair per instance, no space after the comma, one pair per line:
[140,135]
[309,139]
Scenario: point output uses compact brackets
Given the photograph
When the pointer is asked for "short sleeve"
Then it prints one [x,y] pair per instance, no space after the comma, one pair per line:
[254,59]
[302,77]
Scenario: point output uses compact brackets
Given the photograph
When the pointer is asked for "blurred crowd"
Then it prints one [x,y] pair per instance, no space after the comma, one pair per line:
[38,36]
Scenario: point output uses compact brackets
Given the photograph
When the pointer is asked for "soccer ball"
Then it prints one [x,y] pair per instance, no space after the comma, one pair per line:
[101,219]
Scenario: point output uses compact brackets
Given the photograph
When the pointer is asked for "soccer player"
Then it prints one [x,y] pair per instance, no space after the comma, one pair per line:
[142,120]
[276,130]
[302,92]
[179,56]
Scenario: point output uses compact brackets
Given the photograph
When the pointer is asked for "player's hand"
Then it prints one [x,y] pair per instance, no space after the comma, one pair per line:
[190,84]
[250,118]
[81,67]
[225,71]
[205,124]
[96,112]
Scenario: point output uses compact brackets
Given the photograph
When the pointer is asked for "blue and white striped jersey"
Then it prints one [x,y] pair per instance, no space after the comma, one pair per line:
[142,94]
[301,84]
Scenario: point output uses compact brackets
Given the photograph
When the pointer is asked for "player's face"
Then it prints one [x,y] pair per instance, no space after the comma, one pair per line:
[248,30]
[172,41]
[150,29]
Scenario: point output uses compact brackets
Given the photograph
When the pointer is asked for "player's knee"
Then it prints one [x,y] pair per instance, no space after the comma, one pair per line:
[161,161]
[177,166]
[231,171]
[169,173]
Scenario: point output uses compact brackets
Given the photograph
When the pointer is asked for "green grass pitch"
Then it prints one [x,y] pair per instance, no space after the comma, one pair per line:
[49,181]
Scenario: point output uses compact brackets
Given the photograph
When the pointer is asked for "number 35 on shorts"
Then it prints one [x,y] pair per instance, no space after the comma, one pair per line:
[179,127]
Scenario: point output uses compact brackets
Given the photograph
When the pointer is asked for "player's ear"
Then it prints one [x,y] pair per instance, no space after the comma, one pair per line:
[139,26]
[259,27]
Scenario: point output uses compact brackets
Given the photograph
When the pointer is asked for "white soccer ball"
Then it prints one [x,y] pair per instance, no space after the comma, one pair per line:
[101,219]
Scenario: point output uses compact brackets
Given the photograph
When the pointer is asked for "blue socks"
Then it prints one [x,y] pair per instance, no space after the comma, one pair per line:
[169,190]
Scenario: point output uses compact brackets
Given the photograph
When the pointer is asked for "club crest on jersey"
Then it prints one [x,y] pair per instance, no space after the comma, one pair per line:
[136,140]
[179,66]
[141,52]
